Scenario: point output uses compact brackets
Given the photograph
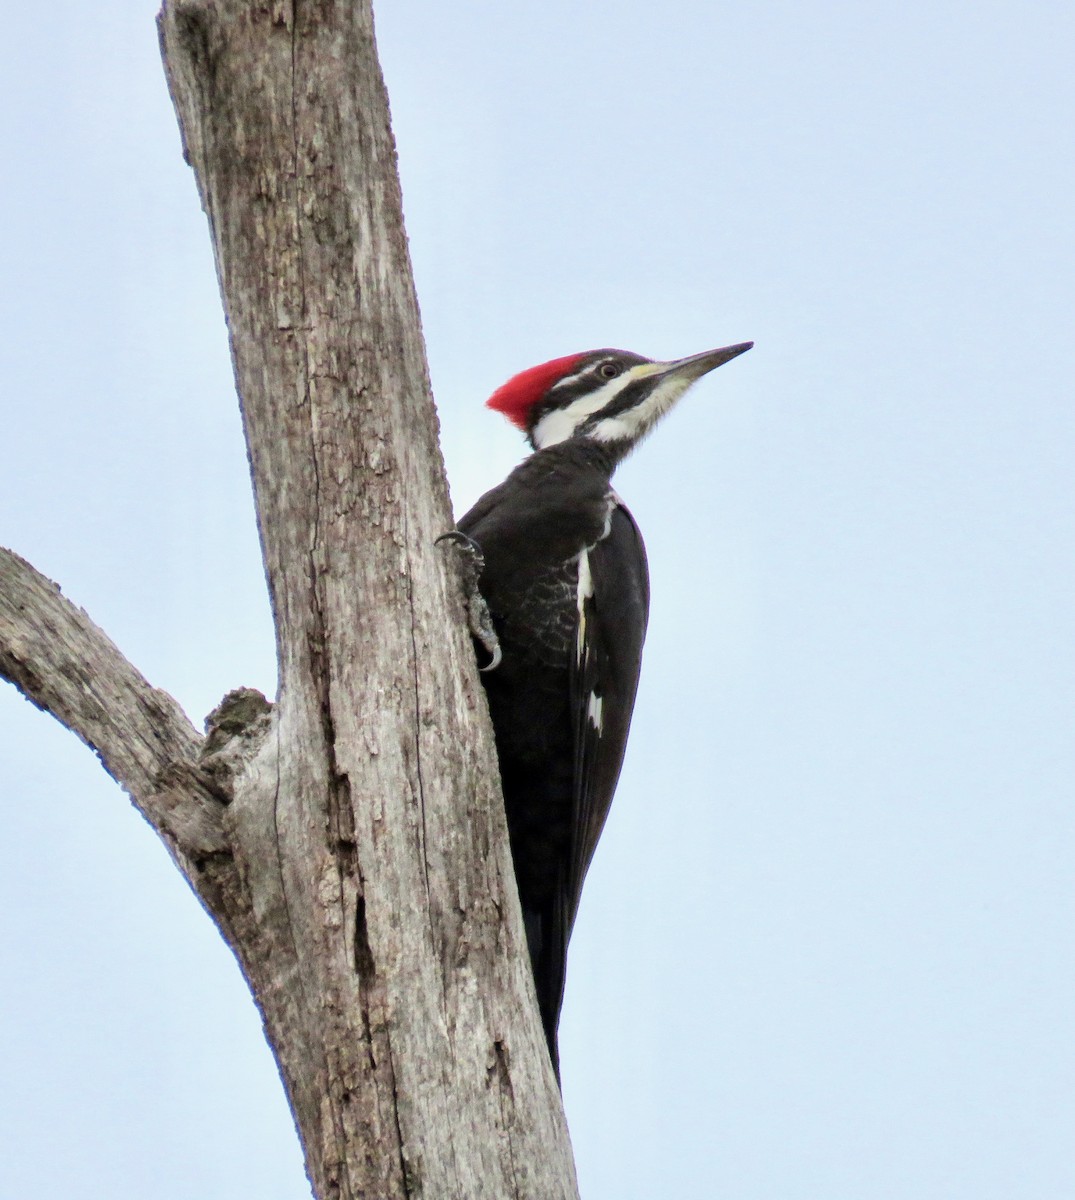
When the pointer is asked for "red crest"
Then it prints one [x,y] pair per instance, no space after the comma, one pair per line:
[516,398]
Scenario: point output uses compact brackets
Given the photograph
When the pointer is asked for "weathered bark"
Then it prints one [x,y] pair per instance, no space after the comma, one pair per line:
[58,658]
[350,839]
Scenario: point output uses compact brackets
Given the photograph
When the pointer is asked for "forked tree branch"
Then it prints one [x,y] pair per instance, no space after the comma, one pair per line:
[62,662]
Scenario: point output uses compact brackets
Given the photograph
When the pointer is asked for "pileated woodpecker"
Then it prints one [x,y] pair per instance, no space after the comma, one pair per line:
[562,570]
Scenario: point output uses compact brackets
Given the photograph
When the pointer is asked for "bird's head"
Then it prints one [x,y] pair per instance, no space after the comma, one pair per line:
[611,396]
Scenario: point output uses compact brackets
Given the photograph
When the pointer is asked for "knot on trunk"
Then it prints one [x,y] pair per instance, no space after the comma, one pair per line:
[234,732]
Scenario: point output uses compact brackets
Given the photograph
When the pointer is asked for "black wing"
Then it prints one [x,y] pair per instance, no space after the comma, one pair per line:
[604,681]
[606,661]
[561,699]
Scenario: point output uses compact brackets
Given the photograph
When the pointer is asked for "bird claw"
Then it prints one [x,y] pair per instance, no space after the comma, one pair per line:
[479,619]
[462,539]
[486,634]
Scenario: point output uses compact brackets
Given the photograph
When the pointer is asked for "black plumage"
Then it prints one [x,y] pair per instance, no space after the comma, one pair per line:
[561,698]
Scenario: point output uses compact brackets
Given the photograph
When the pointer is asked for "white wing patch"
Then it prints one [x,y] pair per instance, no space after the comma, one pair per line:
[593,710]
[584,592]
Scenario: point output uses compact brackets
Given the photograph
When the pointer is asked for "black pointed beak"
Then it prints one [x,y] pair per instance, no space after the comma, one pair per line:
[697,365]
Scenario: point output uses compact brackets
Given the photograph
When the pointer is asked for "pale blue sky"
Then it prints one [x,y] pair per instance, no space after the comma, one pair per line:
[826,948]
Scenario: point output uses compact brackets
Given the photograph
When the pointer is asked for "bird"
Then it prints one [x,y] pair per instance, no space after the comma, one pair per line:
[560,572]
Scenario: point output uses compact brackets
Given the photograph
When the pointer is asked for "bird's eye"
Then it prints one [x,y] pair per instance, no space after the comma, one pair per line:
[609,370]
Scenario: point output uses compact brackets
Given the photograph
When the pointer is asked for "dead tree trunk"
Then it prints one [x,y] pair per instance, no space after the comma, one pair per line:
[349,840]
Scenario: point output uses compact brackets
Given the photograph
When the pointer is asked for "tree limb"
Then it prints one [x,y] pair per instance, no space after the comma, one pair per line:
[62,662]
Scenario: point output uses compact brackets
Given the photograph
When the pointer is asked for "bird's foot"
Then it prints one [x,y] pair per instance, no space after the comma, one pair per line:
[479,619]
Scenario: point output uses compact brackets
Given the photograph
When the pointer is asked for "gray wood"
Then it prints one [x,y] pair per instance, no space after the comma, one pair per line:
[349,839]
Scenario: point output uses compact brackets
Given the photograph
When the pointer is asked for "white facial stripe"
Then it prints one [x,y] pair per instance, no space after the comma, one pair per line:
[561,423]
[567,381]
[629,426]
